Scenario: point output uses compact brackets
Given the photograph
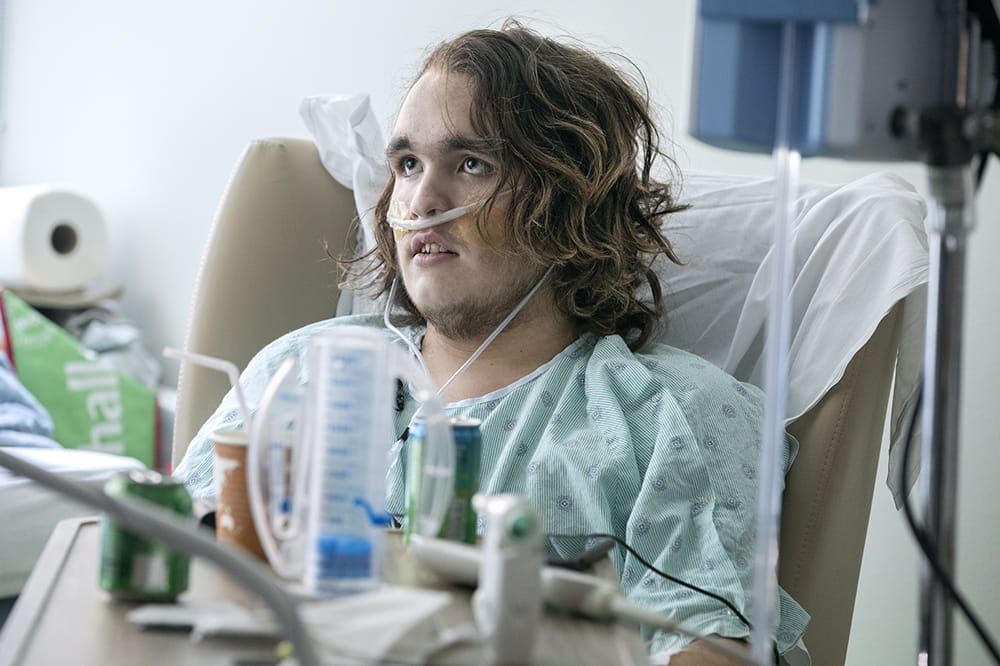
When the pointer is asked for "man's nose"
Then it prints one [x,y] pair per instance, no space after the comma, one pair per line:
[430,196]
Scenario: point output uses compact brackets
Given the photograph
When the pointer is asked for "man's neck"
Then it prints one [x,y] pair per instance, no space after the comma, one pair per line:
[527,343]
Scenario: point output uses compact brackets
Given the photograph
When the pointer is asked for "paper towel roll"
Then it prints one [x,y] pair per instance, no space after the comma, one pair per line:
[50,238]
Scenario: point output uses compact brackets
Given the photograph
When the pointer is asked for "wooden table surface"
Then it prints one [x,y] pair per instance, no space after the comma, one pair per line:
[62,617]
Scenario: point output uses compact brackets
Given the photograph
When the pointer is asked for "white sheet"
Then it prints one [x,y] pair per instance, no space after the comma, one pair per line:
[859,248]
[28,512]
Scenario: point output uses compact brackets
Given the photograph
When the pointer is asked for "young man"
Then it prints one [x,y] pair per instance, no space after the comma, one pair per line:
[548,152]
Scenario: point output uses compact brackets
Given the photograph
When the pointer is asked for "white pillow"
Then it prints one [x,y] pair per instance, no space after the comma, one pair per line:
[859,248]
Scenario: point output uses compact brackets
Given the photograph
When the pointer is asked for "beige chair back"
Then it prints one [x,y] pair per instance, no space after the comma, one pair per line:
[265,270]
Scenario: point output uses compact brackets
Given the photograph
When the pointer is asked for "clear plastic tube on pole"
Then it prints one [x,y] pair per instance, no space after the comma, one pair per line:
[776,365]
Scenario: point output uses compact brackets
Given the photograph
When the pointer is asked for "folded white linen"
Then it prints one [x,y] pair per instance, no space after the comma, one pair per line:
[859,248]
[29,512]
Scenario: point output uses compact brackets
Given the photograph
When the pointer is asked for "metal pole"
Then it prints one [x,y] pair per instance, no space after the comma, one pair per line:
[951,220]
[947,152]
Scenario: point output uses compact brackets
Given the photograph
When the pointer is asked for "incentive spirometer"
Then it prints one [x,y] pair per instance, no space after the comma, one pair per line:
[868,80]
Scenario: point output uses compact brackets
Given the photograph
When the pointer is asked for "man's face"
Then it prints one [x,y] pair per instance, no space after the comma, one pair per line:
[455,275]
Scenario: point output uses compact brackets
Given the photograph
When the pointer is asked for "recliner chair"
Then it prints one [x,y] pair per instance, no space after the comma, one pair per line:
[266,271]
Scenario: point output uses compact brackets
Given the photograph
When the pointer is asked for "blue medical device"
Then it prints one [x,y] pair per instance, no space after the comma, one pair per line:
[874,80]
[864,71]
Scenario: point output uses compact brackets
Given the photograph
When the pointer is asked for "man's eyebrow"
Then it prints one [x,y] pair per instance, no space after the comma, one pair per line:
[398,145]
[473,144]
[453,144]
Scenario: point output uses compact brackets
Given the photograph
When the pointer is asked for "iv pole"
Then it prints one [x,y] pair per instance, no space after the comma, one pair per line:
[950,221]
[939,120]
[947,145]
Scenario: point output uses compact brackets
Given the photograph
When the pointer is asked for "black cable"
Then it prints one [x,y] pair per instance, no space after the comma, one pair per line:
[929,549]
[713,595]
[984,159]
[679,581]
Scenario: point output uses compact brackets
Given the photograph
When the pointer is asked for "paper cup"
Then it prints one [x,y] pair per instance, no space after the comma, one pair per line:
[233,519]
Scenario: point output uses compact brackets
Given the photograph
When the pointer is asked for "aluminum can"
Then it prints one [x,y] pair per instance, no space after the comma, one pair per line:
[134,567]
[460,519]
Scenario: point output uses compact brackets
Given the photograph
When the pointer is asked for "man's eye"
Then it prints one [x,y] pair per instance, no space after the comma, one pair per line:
[409,165]
[474,165]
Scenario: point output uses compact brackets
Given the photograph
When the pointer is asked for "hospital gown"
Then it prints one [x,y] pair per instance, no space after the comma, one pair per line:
[659,448]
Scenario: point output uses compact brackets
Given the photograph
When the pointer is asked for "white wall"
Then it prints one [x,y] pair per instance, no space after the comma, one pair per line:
[146,106]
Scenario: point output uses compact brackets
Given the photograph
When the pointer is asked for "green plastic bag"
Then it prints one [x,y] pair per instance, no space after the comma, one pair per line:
[92,405]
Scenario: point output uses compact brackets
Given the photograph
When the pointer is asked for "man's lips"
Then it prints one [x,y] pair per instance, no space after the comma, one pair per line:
[430,240]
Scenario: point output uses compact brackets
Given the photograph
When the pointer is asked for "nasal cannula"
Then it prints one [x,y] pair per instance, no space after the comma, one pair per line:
[425,223]
[435,220]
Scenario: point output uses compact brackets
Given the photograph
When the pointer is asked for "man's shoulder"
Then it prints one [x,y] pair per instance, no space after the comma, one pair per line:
[309,331]
[367,320]
[680,372]
[660,358]
[296,342]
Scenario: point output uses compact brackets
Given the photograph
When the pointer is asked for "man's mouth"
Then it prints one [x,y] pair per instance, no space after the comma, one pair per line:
[432,248]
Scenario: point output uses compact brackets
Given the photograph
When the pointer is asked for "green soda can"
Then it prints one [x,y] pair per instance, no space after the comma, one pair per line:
[460,518]
[134,567]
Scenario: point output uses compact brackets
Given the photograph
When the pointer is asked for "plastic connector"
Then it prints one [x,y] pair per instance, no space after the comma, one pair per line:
[562,589]
[455,562]
[576,592]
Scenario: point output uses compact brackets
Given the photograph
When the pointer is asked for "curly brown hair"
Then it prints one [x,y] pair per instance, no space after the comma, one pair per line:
[576,144]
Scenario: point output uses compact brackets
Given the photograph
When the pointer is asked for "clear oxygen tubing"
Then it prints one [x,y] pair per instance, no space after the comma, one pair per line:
[435,220]
[387,319]
[431,404]
[492,336]
[771,474]
[426,223]
[394,453]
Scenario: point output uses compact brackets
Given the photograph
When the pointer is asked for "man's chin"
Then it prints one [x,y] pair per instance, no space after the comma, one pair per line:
[457,322]
[475,317]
